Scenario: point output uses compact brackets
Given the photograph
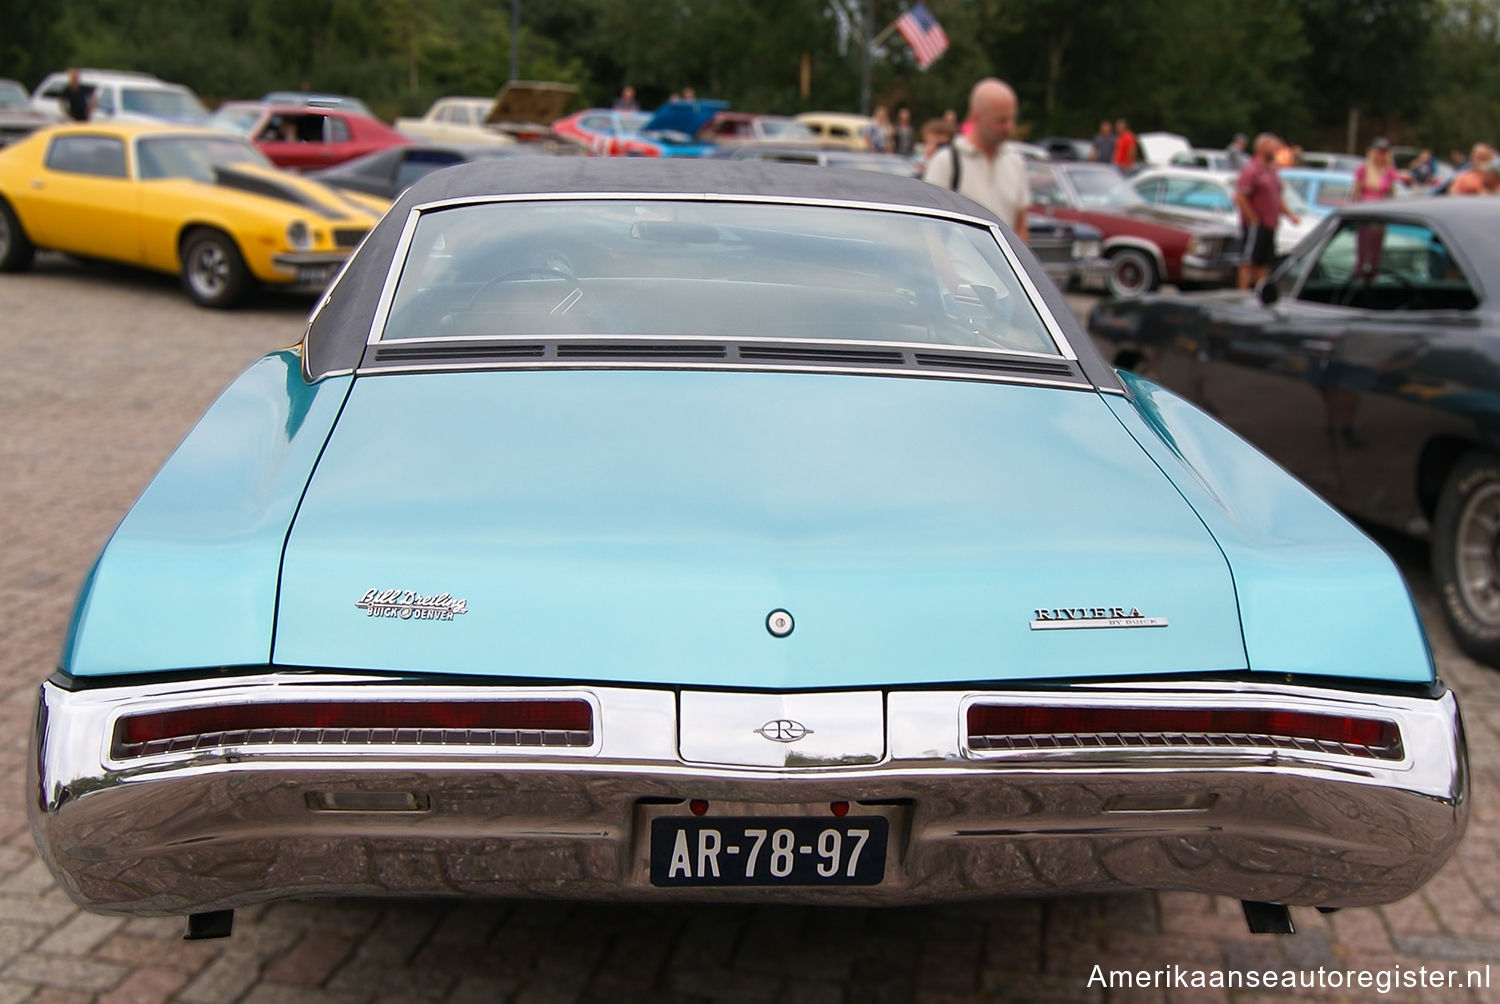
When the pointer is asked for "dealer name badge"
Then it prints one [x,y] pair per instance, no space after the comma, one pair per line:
[1077,618]
[406,605]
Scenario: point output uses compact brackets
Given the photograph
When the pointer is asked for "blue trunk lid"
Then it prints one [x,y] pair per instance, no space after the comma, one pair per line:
[640,526]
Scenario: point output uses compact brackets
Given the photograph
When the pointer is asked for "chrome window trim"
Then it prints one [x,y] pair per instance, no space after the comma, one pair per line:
[403,244]
[935,373]
[821,343]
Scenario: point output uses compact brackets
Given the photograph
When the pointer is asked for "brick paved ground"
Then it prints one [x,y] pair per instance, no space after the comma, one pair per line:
[103,371]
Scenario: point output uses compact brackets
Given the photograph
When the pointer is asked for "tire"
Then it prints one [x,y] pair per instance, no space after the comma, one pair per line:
[213,272]
[1132,273]
[16,250]
[1466,555]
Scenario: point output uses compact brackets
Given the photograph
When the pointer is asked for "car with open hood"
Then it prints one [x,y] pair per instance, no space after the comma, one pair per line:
[726,531]
[669,131]
[191,202]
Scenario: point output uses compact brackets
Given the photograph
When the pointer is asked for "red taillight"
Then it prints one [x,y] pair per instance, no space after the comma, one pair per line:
[344,717]
[1181,726]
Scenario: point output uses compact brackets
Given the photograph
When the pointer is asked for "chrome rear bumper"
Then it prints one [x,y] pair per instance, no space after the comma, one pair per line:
[218,828]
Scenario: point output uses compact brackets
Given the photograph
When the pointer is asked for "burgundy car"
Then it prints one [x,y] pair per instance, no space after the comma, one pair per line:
[1146,244]
[306,137]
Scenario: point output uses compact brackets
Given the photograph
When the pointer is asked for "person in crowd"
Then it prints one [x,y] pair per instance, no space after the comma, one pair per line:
[878,135]
[904,136]
[1125,146]
[936,133]
[1287,155]
[688,94]
[1471,181]
[1259,195]
[1237,155]
[1375,178]
[626,101]
[1423,169]
[1103,149]
[980,165]
[78,99]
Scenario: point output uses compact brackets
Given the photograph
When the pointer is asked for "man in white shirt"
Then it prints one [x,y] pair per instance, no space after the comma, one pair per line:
[979,165]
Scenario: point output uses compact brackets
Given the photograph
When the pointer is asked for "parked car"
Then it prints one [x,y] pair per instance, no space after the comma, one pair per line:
[1369,367]
[728,128]
[667,132]
[305,137]
[1156,149]
[1323,191]
[454,120]
[839,128]
[1209,195]
[521,113]
[387,173]
[125,95]
[191,202]
[1207,159]
[1066,148]
[1068,250]
[17,117]
[742,532]
[1146,245]
[314,99]
[1330,161]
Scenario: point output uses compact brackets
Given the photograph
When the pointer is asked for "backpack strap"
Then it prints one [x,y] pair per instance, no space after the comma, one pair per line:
[957,164]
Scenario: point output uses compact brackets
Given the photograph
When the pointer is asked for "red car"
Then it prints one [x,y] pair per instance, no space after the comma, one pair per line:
[305,137]
[1146,244]
[667,132]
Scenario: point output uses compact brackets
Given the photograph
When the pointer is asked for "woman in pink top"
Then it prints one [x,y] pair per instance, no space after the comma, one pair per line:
[1374,180]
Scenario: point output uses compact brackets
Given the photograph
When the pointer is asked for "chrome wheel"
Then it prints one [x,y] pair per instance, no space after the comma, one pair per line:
[208,270]
[1132,273]
[1478,554]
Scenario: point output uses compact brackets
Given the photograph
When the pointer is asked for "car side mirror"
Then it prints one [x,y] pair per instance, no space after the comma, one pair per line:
[1269,293]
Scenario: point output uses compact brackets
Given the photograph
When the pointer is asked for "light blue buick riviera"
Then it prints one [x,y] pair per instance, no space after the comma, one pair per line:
[725,531]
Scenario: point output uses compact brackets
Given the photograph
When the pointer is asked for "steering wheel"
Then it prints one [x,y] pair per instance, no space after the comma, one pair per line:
[1346,291]
[531,272]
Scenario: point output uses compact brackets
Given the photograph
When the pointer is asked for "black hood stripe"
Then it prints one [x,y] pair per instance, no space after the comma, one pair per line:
[272,188]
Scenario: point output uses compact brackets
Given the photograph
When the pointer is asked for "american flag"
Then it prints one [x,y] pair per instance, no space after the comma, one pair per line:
[922,32]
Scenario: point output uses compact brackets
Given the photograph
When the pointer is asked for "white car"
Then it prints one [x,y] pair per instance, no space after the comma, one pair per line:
[1211,195]
[125,95]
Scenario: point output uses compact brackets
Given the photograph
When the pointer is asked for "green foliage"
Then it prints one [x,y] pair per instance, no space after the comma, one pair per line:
[1418,70]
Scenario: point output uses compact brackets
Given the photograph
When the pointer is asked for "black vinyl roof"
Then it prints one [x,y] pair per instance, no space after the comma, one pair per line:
[337,336]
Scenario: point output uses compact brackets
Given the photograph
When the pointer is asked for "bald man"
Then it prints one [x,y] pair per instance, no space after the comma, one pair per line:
[980,165]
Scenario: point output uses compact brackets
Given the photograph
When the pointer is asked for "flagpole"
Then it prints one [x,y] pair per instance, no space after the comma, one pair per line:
[864,81]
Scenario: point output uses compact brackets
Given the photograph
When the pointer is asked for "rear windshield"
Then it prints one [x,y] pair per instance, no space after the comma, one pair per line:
[731,270]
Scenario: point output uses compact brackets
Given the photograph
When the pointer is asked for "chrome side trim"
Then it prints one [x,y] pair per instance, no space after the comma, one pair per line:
[392,274]
[981,351]
[1064,347]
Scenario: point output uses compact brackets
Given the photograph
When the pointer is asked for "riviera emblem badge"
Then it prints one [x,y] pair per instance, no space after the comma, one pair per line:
[783,730]
[1074,618]
[407,605]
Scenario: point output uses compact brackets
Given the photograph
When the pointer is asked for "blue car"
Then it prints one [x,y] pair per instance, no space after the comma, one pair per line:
[726,531]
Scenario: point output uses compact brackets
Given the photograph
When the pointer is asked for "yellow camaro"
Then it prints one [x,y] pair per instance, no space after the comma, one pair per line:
[193,202]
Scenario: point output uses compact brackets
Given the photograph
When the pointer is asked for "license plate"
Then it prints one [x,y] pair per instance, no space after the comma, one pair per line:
[768,850]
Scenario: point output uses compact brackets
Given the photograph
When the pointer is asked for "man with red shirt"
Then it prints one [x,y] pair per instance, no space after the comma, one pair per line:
[1258,192]
[1124,145]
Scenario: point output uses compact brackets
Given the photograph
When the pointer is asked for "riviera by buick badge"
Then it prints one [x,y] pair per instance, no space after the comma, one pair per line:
[1074,618]
[783,730]
[408,605]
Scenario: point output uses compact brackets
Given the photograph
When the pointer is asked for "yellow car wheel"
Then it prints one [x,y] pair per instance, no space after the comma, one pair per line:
[16,250]
[213,272]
